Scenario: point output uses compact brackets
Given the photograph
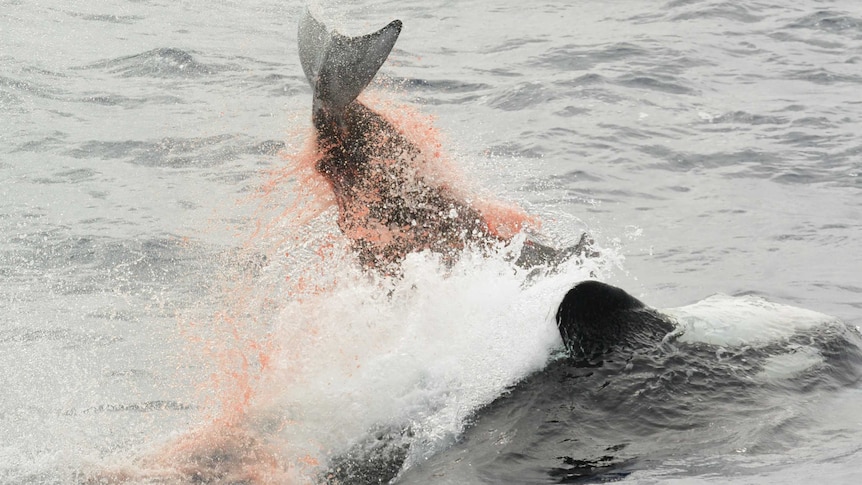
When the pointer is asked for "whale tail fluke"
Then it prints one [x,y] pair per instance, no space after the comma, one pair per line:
[339,67]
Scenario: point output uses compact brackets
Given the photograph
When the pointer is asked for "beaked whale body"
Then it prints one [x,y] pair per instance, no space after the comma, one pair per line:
[388,205]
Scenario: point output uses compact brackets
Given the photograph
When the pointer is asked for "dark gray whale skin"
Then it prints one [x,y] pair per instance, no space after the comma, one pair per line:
[388,206]
[621,396]
[595,318]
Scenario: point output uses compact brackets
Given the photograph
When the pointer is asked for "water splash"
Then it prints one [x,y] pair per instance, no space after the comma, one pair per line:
[311,353]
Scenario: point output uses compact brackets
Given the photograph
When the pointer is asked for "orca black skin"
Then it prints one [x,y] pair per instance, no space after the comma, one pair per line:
[595,318]
[625,398]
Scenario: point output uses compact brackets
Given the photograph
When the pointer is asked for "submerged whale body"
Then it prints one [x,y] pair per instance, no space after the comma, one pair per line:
[388,203]
[628,393]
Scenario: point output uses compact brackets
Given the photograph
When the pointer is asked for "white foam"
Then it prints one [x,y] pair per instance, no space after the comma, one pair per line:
[424,350]
[798,359]
[744,320]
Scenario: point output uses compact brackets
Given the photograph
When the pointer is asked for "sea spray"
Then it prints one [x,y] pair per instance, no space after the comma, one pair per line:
[311,352]
[423,351]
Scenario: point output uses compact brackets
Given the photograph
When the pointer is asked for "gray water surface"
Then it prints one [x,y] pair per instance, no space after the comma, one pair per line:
[713,146]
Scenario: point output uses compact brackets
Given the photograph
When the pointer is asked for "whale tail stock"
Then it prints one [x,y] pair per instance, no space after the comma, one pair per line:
[339,67]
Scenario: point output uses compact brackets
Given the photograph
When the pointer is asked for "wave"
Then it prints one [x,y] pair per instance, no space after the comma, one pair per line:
[178,152]
[163,62]
[830,21]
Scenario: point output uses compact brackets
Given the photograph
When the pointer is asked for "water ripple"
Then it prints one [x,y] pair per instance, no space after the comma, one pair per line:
[727,10]
[107,18]
[830,21]
[523,96]
[575,57]
[164,62]
[662,83]
[178,152]
[139,407]
[66,336]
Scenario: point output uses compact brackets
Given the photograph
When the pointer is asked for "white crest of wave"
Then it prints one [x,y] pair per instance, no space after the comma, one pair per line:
[751,321]
[742,320]
[422,351]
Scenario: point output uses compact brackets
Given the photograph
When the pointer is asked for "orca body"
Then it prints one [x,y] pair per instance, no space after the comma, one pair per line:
[595,318]
[625,395]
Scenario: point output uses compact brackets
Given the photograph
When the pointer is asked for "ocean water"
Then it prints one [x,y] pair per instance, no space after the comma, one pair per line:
[178,306]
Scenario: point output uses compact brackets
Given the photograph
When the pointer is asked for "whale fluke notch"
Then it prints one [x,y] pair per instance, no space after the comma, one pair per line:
[595,318]
[339,67]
